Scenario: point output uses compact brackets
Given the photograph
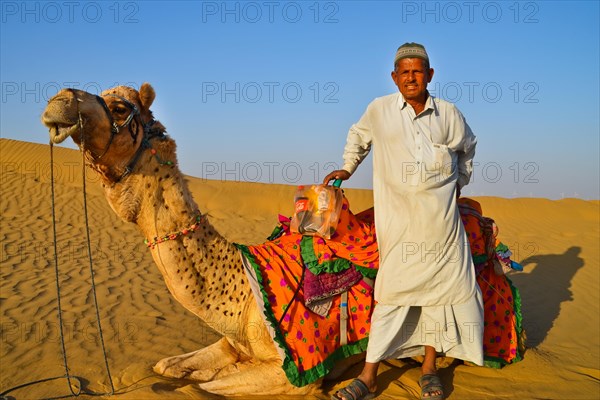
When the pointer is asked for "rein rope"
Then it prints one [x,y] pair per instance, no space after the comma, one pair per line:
[79,390]
[88,240]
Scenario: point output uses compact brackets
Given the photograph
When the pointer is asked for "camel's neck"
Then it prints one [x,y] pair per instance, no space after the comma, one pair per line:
[202,270]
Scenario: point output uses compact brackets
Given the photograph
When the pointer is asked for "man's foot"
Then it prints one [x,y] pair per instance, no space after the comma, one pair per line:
[356,390]
[431,387]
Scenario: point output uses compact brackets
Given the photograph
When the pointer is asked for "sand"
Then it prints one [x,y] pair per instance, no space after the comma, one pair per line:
[557,242]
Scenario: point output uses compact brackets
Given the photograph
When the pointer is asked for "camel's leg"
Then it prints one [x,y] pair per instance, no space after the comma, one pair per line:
[204,364]
[255,378]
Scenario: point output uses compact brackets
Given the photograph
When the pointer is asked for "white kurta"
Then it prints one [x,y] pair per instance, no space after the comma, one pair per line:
[425,258]
[425,287]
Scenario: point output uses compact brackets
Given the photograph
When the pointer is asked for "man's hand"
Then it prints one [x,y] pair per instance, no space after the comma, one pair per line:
[341,174]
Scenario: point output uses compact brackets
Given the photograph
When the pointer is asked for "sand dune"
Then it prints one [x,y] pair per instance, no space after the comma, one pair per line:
[556,241]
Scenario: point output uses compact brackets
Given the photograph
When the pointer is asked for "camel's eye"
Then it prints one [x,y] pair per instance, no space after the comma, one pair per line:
[119,110]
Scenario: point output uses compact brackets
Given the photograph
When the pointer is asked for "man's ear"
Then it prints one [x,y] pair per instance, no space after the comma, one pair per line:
[431,71]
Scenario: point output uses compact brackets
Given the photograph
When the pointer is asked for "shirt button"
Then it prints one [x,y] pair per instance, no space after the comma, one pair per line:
[418,133]
[418,162]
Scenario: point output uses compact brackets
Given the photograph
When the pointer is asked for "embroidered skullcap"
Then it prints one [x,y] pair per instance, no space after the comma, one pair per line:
[411,50]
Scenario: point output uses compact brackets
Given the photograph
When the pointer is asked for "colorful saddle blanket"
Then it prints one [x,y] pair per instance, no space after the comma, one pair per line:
[309,341]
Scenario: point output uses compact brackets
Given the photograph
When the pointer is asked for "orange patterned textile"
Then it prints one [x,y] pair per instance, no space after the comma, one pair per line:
[503,335]
[310,343]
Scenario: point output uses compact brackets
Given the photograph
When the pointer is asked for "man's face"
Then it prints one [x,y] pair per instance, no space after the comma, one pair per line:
[412,78]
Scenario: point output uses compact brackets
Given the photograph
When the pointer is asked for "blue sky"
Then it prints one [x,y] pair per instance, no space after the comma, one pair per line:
[266,90]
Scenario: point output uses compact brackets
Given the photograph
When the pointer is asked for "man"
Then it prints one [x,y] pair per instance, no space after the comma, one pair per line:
[428,302]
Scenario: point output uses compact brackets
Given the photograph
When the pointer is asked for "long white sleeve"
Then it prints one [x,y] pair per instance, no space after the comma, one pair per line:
[358,143]
[465,150]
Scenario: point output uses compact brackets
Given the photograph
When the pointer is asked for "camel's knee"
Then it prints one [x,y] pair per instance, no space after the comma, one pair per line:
[255,378]
[202,364]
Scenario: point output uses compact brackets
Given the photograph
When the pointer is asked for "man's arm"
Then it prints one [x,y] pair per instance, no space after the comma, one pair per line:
[465,148]
[358,145]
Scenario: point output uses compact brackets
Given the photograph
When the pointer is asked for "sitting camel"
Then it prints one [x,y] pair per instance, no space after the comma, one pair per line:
[137,164]
[138,168]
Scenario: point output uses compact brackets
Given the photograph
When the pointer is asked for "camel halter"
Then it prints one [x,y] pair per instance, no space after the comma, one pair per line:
[114,127]
[148,132]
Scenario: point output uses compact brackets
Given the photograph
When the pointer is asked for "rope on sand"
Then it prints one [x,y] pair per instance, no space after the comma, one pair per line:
[76,390]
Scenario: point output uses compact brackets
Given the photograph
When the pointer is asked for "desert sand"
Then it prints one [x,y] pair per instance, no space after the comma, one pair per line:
[556,241]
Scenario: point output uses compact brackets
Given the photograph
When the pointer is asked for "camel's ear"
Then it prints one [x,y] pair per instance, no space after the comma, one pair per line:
[147,95]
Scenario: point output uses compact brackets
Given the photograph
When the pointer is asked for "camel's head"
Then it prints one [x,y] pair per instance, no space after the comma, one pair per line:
[109,128]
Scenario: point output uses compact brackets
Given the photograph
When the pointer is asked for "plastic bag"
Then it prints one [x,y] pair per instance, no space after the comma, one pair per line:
[316,210]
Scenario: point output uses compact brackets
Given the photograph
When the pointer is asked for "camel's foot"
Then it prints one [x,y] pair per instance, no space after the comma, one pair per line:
[204,364]
[225,368]
[256,378]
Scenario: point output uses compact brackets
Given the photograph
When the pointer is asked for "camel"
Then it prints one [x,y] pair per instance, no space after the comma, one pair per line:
[138,170]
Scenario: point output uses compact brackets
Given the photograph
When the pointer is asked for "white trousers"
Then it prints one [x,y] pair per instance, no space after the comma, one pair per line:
[453,330]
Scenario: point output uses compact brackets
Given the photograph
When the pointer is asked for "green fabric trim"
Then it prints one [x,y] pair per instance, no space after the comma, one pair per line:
[494,362]
[501,248]
[480,259]
[519,317]
[294,375]
[307,251]
[367,272]
[497,362]
[322,369]
[277,231]
[311,261]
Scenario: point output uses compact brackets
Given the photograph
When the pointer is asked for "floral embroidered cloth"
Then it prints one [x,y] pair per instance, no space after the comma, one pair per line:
[310,343]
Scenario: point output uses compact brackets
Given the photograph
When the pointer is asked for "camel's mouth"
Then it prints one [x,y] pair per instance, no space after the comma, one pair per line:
[60,132]
[61,115]
[60,124]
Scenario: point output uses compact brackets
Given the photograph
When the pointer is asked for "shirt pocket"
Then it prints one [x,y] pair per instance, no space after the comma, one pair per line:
[442,157]
[441,165]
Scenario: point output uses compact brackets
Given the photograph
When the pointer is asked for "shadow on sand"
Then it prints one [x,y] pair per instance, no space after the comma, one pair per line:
[544,289]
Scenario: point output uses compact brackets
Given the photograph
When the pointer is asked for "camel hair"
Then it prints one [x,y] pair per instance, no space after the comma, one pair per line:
[137,165]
